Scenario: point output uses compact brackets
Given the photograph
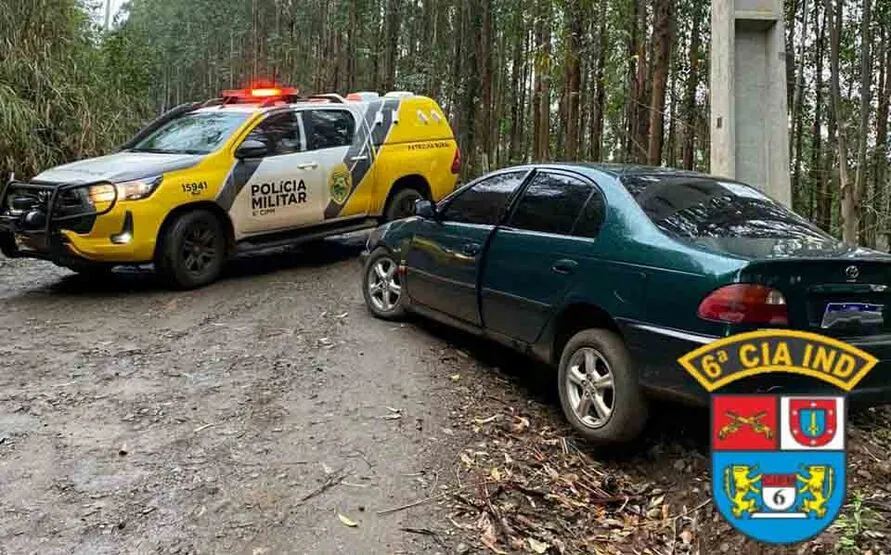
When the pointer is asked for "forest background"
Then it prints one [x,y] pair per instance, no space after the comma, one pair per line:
[521,80]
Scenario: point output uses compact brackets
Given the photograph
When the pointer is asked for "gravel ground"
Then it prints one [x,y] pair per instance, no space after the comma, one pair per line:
[243,417]
[269,413]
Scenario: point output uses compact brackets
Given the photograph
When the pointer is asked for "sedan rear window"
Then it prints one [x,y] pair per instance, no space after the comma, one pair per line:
[700,208]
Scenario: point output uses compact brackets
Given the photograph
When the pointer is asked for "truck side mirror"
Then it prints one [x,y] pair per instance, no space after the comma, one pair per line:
[251,148]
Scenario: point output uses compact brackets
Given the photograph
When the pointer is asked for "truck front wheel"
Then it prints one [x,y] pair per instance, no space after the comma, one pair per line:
[193,250]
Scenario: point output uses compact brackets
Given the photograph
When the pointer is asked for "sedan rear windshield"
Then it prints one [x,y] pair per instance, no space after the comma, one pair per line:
[195,133]
[726,214]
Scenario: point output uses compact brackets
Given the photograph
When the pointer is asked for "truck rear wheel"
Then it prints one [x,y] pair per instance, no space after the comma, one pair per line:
[193,250]
[402,205]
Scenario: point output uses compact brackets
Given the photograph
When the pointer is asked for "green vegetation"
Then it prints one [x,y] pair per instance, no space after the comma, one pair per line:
[61,97]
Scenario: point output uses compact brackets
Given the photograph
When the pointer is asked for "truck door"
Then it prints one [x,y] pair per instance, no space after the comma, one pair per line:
[284,189]
[339,141]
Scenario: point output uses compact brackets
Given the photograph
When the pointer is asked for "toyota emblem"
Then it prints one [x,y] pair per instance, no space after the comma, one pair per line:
[852,272]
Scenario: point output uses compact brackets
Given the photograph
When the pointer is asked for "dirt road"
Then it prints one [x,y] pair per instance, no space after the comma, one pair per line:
[243,417]
[269,413]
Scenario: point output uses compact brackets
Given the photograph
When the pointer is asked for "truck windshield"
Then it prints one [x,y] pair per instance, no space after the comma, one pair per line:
[196,133]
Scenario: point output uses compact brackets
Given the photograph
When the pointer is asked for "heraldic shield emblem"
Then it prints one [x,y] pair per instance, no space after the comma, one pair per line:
[778,464]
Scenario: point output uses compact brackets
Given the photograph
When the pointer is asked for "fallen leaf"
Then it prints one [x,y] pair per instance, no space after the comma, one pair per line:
[488,537]
[687,537]
[466,460]
[520,424]
[537,546]
[491,545]
[496,475]
[487,420]
[456,377]
[347,522]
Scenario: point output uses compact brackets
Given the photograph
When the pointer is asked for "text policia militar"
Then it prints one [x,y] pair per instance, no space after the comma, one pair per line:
[269,196]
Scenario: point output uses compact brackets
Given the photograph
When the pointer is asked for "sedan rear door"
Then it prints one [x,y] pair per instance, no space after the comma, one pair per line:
[443,259]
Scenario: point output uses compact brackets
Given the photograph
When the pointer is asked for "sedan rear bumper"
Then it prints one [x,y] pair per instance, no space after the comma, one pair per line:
[657,350]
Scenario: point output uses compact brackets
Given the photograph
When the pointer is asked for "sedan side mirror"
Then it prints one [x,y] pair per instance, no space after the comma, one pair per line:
[425,209]
[251,148]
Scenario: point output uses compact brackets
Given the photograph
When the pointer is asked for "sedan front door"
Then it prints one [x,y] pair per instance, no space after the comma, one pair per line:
[536,256]
[444,259]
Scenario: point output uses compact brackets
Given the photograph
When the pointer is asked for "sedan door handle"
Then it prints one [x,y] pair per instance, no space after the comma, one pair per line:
[471,249]
[309,166]
[565,266]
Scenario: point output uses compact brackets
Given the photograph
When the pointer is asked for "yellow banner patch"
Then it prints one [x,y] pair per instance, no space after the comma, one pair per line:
[761,352]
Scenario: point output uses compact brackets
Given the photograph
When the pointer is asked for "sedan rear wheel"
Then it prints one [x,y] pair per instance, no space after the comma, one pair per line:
[383,286]
[590,387]
[599,388]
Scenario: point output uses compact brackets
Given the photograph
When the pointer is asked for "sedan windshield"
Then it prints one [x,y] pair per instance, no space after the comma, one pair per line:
[724,214]
[196,133]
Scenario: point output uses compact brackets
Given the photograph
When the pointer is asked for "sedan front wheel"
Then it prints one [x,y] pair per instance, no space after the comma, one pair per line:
[383,286]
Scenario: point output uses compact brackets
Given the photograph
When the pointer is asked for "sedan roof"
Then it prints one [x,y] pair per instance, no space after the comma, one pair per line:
[630,170]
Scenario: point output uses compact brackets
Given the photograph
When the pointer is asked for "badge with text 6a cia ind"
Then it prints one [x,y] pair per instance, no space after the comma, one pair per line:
[778,461]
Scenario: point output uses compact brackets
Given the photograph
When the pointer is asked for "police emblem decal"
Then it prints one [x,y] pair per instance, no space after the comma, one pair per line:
[340,184]
[778,464]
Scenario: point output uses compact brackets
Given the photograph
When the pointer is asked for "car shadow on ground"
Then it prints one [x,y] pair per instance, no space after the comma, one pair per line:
[672,428]
[135,280]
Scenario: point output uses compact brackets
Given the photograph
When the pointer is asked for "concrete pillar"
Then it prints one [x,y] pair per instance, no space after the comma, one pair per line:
[749,114]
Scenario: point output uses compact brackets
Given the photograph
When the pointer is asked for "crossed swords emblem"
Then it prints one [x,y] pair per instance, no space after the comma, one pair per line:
[737,422]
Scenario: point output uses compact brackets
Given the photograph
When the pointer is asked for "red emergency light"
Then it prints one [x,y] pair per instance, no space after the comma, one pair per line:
[260,93]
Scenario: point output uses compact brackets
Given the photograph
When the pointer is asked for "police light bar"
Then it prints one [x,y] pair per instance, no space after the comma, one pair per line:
[260,94]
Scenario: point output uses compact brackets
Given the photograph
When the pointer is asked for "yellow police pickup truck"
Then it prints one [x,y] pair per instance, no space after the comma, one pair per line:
[252,169]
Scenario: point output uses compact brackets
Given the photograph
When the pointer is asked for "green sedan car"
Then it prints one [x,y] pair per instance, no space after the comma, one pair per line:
[610,273]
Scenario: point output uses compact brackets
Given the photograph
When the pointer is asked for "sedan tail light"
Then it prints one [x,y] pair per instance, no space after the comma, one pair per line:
[745,304]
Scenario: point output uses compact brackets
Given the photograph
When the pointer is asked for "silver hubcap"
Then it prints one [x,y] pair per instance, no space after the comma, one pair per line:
[590,387]
[384,286]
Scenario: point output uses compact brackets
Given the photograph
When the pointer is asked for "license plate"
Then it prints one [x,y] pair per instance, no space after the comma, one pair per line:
[846,314]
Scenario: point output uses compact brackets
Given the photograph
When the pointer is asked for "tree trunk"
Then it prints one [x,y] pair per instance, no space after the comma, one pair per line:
[631,93]
[690,113]
[865,107]
[600,97]
[642,93]
[542,123]
[817,179]
[484,69]
[662,37]
[797,110]
[881,153]
[791,62]
[849,228]
[573,79]
[391,45]
[516,83]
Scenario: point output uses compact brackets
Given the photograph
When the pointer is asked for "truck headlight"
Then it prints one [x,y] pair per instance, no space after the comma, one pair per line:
[101,194]
[138,188]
